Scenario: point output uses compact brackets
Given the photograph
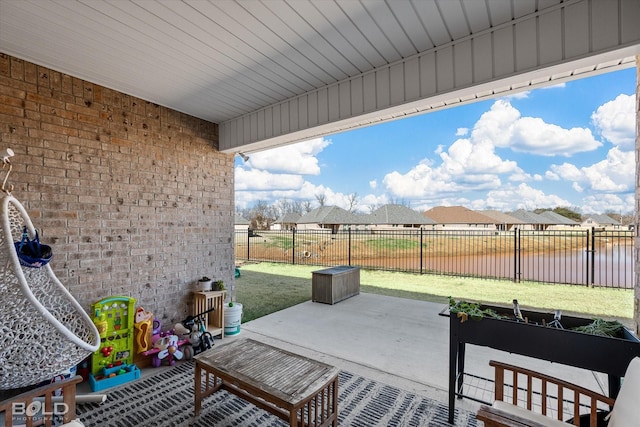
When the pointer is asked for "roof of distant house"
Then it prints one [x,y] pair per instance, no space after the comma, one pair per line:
[530,217]
[557,218]
[602,219]
[288,218]
[501,217]
[457,215]
[330,215]
[240,220]
[398,214]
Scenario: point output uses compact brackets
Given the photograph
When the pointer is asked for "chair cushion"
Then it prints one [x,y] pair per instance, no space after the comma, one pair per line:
[527,414]
[626,410]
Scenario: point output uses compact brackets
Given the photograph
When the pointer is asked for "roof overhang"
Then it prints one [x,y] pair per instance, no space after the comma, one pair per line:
[277,72]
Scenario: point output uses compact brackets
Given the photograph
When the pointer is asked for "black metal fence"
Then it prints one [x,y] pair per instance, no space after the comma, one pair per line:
[582,257]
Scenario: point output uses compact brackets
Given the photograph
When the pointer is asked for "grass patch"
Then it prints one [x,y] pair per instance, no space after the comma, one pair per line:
[280,242]
[262,293]
[387,243]
[267,287]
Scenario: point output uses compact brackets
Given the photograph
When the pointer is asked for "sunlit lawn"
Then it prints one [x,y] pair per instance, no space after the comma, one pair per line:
[264,288]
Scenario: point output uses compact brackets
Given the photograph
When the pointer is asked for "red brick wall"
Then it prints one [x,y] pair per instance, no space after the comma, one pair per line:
[134,198]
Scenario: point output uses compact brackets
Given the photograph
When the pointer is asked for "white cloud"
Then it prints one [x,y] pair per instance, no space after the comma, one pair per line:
[371,200]
[556,86]
[600,203]
[462,131]
[551,176]
[465,156]
[521,197]
[533,135]
[503,127]
[567,171]
[577,187]
[518,95]
[522,176]
[373,184]
[616,121]
[298,158]
[259,180]
[613,174]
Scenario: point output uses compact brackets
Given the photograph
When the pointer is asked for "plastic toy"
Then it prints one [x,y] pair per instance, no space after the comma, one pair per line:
[169,348]
[110,376]
[143,326]
[114,318]
[199,338]
[166,345]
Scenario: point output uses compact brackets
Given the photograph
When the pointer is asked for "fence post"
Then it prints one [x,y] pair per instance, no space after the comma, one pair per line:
[593,257]
[349,247]
[248,241]
[421,250]
[516,236]
[293,246]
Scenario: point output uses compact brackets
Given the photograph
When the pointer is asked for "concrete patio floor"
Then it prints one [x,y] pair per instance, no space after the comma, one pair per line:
[397,341]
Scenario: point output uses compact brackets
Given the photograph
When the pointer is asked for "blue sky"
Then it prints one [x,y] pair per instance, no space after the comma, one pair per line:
[569,145]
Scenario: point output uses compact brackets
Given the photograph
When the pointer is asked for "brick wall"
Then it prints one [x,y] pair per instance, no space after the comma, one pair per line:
[134,198]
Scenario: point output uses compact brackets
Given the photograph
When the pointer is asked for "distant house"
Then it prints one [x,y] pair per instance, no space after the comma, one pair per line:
[600,221]
[286,222]
[459,217]
[329,218]
[393,217]
[503,221]
[241,223]
[531,220]
[559,221]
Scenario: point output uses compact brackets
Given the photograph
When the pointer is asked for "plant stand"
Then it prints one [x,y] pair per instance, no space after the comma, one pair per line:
[214,320]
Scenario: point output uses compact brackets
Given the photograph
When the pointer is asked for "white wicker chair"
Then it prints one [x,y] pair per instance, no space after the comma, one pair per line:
[43,329]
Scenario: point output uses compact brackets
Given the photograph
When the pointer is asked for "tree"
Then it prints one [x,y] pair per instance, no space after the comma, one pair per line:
[285,206]
[321,198]
[569,213]
[306,207]
[353,202]
[262,215]
[564,211]
[401,202]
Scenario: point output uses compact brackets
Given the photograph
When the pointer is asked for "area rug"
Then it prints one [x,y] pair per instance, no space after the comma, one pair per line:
[166,400]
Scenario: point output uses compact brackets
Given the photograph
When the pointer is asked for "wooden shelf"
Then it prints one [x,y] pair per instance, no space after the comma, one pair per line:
[205,300]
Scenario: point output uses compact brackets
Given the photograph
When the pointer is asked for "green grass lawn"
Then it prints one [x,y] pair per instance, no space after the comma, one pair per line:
[268,287]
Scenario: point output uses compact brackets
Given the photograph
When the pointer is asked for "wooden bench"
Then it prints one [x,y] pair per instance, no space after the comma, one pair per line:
[529,400]
[294,388]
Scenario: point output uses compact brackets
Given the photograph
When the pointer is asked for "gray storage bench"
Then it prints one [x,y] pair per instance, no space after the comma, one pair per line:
[335,284]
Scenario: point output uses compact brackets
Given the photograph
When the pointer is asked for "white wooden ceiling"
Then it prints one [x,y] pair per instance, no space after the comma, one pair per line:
[221,60]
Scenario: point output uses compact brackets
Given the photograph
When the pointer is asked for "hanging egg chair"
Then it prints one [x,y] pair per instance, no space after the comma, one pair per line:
[43,330]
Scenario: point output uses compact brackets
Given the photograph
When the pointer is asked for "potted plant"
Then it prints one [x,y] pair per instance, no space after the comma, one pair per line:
[204,284]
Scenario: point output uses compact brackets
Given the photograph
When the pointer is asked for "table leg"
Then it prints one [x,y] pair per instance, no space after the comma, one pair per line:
[614,386]
[293,418]
[335,402]
[198,389]
[460,372]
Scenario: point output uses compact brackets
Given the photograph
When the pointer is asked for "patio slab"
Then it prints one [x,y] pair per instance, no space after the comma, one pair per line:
[402,342]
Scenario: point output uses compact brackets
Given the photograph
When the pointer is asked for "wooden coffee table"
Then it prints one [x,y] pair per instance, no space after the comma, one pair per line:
[295,388]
